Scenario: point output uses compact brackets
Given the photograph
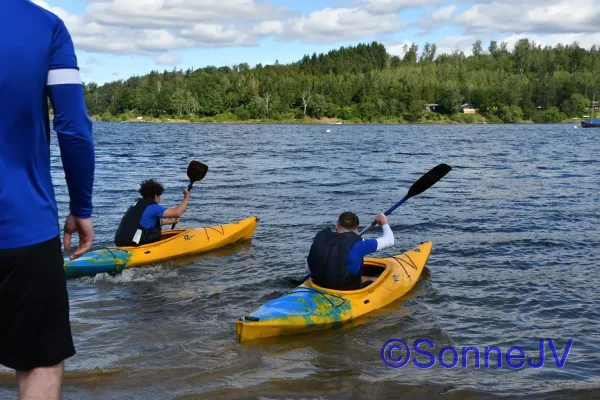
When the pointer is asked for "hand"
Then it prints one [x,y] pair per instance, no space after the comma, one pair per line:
[85,228]
[381,219]
[186,193]
[176,220]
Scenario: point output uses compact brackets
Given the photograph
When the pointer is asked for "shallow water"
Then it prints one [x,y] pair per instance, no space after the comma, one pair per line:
[515,234]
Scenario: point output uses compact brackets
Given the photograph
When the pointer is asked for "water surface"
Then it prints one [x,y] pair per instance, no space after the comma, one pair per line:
[515,234]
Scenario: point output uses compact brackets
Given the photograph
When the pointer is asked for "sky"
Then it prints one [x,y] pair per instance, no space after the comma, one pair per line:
[117,39]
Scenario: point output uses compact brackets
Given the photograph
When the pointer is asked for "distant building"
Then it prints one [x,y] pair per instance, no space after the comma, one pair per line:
[595,105]
[431,107]
[468,108]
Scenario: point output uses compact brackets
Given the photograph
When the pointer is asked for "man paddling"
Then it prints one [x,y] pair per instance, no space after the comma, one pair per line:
[336,258]
[142,222]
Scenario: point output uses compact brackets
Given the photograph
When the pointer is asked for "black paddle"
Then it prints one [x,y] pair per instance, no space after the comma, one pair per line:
[421,185]
[196,172]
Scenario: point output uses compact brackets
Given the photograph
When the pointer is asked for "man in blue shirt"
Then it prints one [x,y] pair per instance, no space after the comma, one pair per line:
[37,60]
[336,258]
[142,222]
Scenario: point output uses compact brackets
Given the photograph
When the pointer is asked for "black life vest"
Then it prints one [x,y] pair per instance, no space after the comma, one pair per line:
[131,223]
[328,258]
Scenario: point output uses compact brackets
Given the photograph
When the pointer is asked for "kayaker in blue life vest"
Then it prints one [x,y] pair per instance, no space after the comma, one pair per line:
[142,222]
[336,258]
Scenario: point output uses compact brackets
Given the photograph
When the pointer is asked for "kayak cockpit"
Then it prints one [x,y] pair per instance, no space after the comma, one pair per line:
[373,270]
[170,233]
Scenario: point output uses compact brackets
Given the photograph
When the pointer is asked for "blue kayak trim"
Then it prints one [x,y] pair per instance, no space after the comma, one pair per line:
[305,302]
[97,262]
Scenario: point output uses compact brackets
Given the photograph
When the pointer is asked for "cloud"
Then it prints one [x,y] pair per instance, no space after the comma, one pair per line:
[167,59]
[398,48]
[585,40]
[156,28]
[93,61]
[269,28]
[392,6]
[438,17]
[554,16]
[450,44]
[152,14]
[337,24]
[208,35]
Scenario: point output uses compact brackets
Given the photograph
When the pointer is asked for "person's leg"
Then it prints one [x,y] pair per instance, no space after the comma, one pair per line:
[35,337]
[41,383]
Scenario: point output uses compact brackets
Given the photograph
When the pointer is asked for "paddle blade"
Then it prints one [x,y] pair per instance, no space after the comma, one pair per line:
[428,180]
[196,171]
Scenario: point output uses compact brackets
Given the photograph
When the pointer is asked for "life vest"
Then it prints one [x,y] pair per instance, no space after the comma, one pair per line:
[328,258]
[130,224]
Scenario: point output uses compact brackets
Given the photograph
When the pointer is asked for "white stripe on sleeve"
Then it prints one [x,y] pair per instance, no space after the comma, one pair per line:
[64,77]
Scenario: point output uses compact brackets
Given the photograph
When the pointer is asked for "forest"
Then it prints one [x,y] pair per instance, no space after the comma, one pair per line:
[364,83]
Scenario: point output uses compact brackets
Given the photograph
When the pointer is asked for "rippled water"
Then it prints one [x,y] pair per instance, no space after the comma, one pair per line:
[515,233]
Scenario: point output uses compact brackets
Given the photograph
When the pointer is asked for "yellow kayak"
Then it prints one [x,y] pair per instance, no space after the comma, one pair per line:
[310,307]
[173,243]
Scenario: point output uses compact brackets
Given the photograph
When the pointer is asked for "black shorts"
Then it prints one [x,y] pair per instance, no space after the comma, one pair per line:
[35,329]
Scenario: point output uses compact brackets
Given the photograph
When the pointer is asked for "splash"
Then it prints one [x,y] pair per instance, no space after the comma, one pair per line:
[134,275]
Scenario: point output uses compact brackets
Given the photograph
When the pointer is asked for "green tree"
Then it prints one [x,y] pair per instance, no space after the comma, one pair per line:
[450,98]
[576,105]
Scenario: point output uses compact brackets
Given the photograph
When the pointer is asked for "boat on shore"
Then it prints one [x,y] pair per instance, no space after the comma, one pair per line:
[591,123]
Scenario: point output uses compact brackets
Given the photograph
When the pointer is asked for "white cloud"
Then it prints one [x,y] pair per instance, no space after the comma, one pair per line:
[179,13]
[437,17]
[392,6]
[207,35]
[93,61]
[554,16]
[158,27]
[336,24]
[585,40]
[398,49]
[444,13]
[269,28]
[167,59]
[450,44]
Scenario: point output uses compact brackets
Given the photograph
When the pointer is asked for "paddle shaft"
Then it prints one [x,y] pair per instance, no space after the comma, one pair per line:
[190,189]
[388,212]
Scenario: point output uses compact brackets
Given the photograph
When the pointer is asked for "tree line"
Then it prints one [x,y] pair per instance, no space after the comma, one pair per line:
[365,83]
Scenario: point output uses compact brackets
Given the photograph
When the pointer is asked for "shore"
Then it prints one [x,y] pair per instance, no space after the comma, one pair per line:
[332,121]
[428,119]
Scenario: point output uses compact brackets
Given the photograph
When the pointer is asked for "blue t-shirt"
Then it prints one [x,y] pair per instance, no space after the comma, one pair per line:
[152,215]
[358,252]
[37,60]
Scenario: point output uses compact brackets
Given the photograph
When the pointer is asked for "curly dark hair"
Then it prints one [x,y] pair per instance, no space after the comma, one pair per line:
[150,188]
[348,220]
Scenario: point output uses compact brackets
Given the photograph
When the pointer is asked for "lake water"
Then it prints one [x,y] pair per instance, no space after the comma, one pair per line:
[515,250]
